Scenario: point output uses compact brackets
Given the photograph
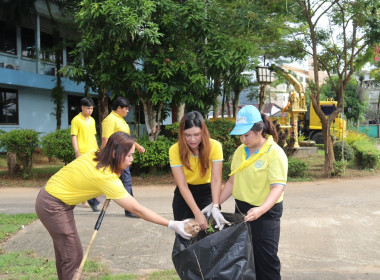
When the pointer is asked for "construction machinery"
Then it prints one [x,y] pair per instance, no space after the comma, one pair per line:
[303,119]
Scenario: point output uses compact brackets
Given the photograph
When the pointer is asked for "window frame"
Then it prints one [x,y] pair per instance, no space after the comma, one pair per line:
[12,91]
[4,33]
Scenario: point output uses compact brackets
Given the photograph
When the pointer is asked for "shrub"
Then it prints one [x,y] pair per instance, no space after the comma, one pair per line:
[340,167]
[354,136]
[220,130]
[21,142]
[320,146]
[58,145]
[296,167]
[170,131]
[156,153]
[367,156]
[348,151]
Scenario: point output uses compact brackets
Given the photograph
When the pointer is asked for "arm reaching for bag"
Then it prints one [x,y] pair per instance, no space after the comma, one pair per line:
[129,203]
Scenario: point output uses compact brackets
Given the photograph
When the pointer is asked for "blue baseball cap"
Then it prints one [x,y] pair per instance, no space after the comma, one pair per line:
[245,119]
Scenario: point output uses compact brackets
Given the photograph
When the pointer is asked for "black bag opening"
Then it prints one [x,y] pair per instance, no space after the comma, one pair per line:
[223,255]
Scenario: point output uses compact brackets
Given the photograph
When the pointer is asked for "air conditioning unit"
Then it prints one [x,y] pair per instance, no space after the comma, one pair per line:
[8,66]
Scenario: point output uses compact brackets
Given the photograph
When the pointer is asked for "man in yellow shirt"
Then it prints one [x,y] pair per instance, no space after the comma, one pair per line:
[83,136]
[115,122]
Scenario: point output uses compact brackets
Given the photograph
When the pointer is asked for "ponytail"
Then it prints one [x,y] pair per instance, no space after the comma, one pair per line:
[266,126]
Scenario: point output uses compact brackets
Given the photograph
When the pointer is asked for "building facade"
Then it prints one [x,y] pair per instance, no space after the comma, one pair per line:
[28,74]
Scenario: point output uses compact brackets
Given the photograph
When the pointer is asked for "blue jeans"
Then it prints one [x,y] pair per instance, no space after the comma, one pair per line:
[126,179]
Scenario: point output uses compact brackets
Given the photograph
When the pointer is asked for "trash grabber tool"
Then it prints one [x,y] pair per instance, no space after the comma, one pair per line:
[78,272]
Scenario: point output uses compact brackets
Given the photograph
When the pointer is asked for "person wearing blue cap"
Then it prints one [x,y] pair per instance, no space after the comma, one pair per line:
[257,181]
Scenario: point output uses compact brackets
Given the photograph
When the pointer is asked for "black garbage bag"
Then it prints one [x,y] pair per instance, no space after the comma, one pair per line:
[223,255]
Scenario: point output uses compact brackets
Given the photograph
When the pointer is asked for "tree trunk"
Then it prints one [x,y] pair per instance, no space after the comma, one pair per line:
[27,166]
[217,84]
[262,97]
[180,112]
[152,126]
[228,103]
[235,101]
[13,166]
[102,106]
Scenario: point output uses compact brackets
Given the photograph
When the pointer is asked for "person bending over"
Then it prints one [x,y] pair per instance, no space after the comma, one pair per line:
[90,175]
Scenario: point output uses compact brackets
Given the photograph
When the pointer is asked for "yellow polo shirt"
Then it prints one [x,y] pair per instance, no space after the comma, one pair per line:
[85,132]
[114,123]
[80,181]
[252,184]
[193,176]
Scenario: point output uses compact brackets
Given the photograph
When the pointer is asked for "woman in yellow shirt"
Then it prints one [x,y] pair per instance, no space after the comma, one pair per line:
[257,182]
[89,176]
[196,162]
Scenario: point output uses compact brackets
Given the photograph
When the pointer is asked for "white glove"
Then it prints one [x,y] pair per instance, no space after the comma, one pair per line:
[218,217]
[179,227]
[207,210]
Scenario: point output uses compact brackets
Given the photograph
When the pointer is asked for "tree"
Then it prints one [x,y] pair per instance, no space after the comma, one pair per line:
[338,47]
[355,105]
[142,50]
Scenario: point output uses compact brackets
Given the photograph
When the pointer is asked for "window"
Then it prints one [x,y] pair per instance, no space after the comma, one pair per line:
[8,38]
[328,109]
[28,42]
[69,48]
[47,51]
[8,106]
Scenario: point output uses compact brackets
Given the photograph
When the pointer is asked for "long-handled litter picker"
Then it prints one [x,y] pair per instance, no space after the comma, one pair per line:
[78,272]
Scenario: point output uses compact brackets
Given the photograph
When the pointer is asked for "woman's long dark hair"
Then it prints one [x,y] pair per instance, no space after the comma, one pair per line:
[266,126]
[115,151]
[188,121]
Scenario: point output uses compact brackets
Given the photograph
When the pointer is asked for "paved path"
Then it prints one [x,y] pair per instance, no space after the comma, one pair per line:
[330,230]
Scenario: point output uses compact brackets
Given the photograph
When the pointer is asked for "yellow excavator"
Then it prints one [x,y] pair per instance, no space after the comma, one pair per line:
[304,119]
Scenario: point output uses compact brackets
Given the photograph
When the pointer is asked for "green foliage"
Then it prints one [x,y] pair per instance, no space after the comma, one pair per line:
[170,131]
[58,145]
[320,146]
[354,106]
[220,130]
[348,151]
[156,153]
[354,136]
[21,142]
[296,167]
[340,167]
[367,156]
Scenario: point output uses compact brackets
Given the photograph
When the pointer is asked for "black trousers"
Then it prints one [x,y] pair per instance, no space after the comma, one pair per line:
[202,196]
[265,239]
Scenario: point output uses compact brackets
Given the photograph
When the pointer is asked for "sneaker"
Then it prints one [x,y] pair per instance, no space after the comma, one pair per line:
[131,215]
[93,207]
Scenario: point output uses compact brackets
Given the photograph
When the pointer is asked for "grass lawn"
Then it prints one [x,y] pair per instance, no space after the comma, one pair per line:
[26,265]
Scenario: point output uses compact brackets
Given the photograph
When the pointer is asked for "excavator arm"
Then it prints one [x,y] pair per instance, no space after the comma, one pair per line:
[295,83]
